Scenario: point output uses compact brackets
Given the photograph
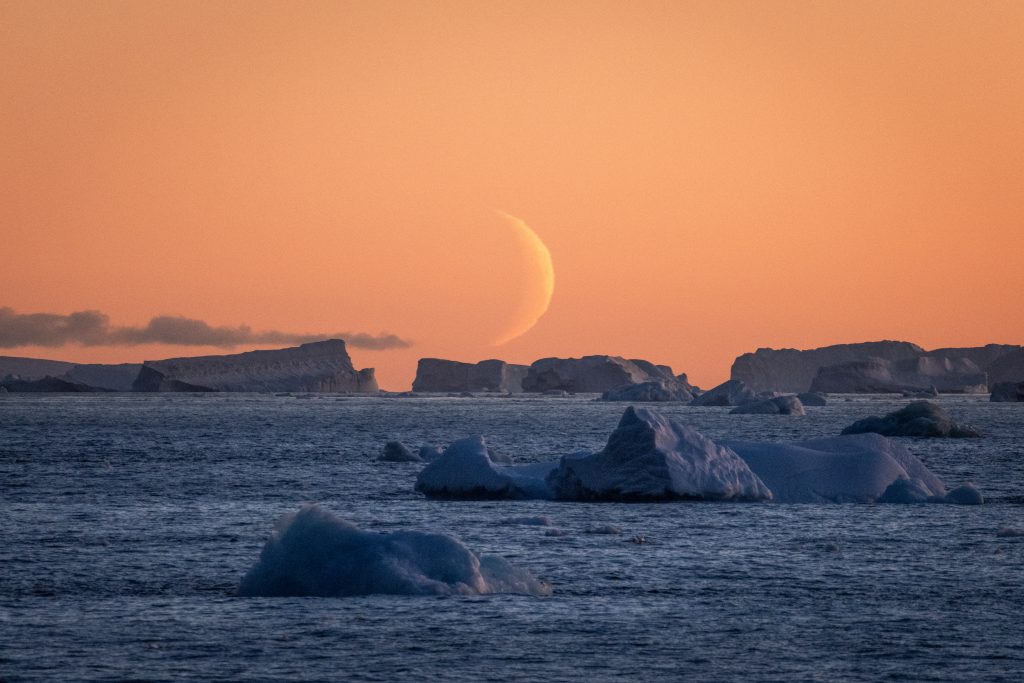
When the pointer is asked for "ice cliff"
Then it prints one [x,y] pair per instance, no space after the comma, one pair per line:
[438,374]
[315,367]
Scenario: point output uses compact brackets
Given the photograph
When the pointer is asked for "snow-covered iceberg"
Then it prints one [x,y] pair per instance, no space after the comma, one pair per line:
[315,553]
[841,469]
[467,469]
[650,457]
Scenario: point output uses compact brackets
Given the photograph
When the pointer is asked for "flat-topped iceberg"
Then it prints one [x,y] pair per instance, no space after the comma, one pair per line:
[649,457]
[315,553]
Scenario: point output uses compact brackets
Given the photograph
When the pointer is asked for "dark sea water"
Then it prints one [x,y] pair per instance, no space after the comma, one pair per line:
[128,520]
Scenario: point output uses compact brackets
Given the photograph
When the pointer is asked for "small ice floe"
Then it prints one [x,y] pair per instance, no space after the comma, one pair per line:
[396,451]
[313,552]
[1009,532]
[638,539]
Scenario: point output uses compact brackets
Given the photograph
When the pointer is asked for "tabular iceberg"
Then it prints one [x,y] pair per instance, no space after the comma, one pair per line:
[315,553]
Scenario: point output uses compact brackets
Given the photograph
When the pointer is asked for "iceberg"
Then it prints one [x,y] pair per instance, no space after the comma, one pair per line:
[315,553]
[1007,392]
[466,470]
[920,418]
[652,458]
[648,392]
[813,398]
[839,469]
[396,451]
[780,405]
[729,393]
[649,457]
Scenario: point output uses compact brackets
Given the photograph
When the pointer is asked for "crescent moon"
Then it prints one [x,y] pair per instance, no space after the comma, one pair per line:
[536,296]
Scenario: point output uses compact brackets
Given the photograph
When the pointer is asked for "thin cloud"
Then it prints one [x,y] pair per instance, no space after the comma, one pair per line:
[93,328]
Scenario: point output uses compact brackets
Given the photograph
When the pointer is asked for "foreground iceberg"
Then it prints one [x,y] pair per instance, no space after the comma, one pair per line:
[313,552]
[649,457]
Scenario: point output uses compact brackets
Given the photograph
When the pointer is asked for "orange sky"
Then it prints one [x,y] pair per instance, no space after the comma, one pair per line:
[710,177]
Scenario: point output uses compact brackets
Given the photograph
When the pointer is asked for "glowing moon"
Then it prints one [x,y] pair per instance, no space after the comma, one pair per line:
[538,283]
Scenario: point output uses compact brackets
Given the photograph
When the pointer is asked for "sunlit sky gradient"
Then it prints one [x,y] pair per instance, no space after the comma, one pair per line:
[710,177]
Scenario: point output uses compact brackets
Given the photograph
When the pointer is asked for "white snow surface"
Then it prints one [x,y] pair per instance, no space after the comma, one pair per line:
[857,468]
[313,552]
[650,457]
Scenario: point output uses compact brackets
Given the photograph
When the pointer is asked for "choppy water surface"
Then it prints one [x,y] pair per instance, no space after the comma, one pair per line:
[128,521]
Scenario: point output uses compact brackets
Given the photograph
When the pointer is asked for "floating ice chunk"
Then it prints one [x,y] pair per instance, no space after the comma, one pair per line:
[649,457]
[466,470]
[843,469]
[778,405]
[920,418]
[313,552]
[813,398]
[906,491]
[396,451]
[1009,532]
[965,494]
[732,392]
